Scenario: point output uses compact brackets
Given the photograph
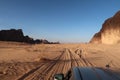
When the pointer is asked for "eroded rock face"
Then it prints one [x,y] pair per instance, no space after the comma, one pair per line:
[110,32]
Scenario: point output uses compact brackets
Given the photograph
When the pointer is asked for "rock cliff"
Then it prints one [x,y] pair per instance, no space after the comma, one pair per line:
[110,31]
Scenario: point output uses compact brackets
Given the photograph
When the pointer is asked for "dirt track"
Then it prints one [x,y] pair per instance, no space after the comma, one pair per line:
[61,64]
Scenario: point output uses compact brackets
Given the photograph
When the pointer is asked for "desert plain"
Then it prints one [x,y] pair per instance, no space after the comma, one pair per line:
[21,61]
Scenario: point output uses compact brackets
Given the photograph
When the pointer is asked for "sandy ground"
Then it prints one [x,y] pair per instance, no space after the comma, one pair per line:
[19,61]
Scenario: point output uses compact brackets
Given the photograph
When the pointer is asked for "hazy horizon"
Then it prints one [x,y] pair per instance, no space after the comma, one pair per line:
[66,21]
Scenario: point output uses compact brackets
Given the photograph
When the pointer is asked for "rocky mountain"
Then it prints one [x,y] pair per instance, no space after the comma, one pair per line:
[18,36]
[14,35]
[110,31]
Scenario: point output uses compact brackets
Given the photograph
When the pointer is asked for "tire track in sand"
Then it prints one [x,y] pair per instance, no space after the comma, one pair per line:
[39,72]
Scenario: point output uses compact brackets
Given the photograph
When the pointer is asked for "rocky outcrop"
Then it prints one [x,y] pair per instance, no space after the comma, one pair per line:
[14,35]
[110,31]
[41,41]
[96,38]
[18,36]
[44,41]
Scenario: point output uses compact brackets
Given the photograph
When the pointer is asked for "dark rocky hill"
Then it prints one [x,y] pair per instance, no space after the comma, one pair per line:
[14,35]
[18,36]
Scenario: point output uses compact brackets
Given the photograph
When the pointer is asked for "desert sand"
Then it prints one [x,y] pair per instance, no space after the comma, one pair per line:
[20,61]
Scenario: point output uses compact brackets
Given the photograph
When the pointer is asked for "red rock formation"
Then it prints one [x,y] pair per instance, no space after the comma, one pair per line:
[110,32]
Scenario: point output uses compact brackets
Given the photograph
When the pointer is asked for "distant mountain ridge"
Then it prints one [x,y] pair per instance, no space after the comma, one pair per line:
[110,31]
[18,36]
